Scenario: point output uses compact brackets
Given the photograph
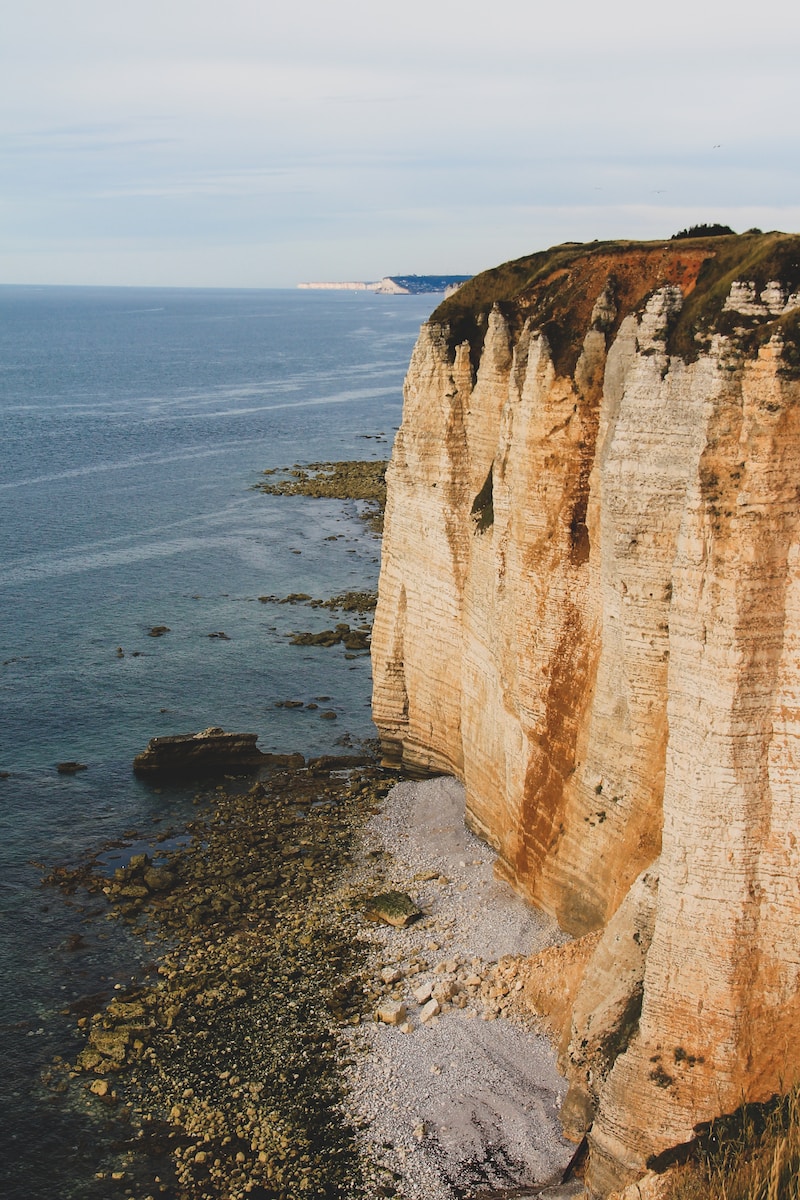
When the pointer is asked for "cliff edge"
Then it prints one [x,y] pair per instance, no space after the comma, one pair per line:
[589,612]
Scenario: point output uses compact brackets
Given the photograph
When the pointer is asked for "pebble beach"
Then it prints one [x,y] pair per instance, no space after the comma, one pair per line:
[285,1042]
[453,1085]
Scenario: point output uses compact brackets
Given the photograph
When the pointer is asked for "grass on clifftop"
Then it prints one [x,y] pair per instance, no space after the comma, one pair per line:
[557,289]
[752,1155]
[757,259]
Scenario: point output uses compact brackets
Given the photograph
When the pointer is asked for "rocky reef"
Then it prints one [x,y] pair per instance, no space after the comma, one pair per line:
[191,754]
[589,612]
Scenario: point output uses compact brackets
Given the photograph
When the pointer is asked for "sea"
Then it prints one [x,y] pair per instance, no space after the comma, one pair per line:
[134,424]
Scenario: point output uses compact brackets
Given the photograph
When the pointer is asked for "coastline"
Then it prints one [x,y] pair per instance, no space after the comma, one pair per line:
[262,1053]
[148,520]
[252,1061]
[215,1073]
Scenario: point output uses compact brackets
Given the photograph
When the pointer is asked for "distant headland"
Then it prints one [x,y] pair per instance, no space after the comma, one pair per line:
[396,285]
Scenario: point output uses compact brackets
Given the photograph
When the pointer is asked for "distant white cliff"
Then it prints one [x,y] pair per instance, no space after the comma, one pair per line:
[396,285]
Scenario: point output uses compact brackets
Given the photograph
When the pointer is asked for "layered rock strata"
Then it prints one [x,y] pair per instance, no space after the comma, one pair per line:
[589,612]
[212,750]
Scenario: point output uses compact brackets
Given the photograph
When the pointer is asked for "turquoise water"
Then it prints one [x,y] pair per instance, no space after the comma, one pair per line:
[133,424]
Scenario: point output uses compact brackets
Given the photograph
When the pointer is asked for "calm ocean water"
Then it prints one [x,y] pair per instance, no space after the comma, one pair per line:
[133,423]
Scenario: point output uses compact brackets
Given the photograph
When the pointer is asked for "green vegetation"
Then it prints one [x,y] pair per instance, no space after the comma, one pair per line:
[695,231]
[466,311]
[556,290]
[757,258]
[752,1155]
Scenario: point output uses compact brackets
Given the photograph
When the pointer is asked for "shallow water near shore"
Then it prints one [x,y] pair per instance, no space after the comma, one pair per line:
[134,423]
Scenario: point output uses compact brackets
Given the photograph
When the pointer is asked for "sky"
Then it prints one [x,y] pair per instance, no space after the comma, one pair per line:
[251,143]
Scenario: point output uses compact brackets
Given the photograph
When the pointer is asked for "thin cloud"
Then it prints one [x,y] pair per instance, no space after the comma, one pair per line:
[265,144]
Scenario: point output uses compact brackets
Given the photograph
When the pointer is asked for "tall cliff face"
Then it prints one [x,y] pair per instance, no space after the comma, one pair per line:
[589,611]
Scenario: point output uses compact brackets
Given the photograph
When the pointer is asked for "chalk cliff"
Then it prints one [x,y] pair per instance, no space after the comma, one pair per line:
[589,612]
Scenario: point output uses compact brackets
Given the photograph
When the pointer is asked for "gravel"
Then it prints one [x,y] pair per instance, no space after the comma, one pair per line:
[465,1103]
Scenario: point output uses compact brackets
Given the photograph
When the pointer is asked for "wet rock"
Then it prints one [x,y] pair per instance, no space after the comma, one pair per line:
[338,762]
[158,879]
[364,480]
[107,1050]
[132,891]
[158,631]
[359,602]
[326,637]
[356,640]
[70,768]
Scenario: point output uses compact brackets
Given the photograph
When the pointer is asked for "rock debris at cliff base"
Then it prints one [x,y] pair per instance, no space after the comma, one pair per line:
[454,1086]
[349,480]
[255,1062]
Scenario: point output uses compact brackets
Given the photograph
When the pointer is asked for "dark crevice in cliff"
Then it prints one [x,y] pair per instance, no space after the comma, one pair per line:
[578,529]
[483,504]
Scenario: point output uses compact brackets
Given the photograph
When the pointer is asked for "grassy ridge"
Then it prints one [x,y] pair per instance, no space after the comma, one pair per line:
[752,1155]
[557,289]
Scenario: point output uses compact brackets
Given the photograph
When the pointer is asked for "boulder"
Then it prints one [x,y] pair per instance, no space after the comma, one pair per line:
[210,751]
[606,1009]
[392,1012]
[394,908]
[430,1010]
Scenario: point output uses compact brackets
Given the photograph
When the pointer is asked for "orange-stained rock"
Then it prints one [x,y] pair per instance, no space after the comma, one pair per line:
[589,611]
[551,981]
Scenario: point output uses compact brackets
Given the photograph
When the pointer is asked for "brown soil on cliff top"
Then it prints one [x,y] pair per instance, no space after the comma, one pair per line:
[557,288]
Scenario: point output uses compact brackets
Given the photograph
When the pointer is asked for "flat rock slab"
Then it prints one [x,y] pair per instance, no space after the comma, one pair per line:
[211,750]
